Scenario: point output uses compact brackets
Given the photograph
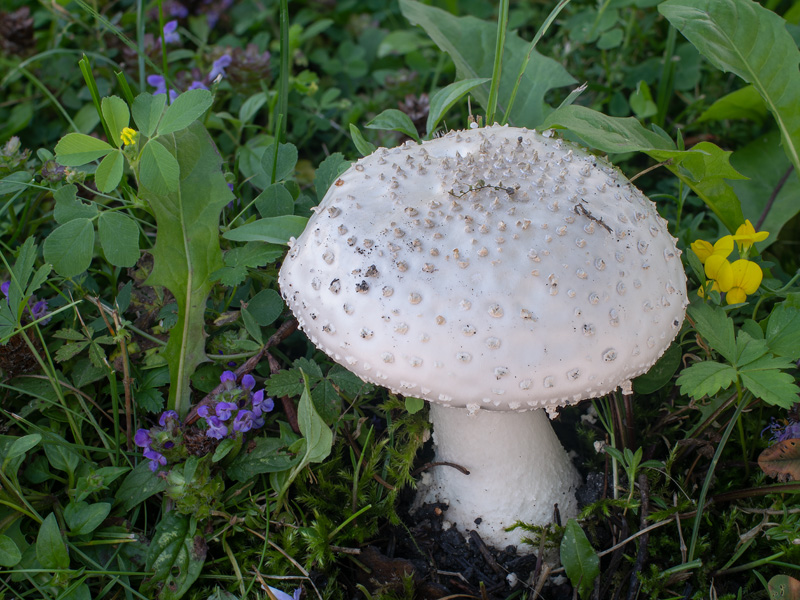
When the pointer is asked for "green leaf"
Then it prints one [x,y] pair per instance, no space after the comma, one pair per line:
[267,456]
[70,247]
[748,349]
[265,307]
[109,171]
[187,249]
[783,331]
[59,453]
[318,436]
[772,386]
[288,382]
[362,145]
[9,553]
[21,445]
[660,373]
[119,238]
[69,206]
[251,106]
[275,230]
[275,201]
[117,116]
[744,103]
[159,170]
[147,110]
[414,405]
[283,164]
[138,486]
[706,379]
[326,402]
[76,149]
[186,108]
[471,42]
[641,101]
[445,98]
[579,559]
[176,556]
[51,548]
[394,120]
[743,37]
[82,517]
[328,172]
[716,327]
[347,382]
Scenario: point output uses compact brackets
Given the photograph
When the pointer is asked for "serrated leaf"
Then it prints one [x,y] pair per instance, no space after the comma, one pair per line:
[311,369]
[187,250]
[253,254]
[159,170]
[109,171]
[283,164]
[51,548]
[748,349]
[68,351]
[744,103]
[117,116]
[119,238]
[186,108]
[772,386]
[706,379]
[716,327]
[69,206]
[273,230]
[82,517]
[176,556]
[392,119]
[229,276]
[275,201]
[783,331]
[147,110]
[138,486]
[326,401]
[471,43]
[349,383]
[362,145]
[76,149]
[70,247]
[445,98]
[267,456]
[9,553]
[579,559]
[285,383]
[743,37]
[782,460]
[328,172]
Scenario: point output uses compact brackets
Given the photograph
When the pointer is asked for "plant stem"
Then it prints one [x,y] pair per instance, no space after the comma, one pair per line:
[497,69]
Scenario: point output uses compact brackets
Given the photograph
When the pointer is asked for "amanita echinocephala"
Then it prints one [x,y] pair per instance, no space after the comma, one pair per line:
[498,273]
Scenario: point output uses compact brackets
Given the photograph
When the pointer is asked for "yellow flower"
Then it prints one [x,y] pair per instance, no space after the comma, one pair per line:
[746,279]
[722,248]
[746,236]
[719,269]
[128,136]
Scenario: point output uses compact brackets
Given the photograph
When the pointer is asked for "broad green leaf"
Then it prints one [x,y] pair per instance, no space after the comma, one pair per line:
[471,42]
[14,182]
[744,103]
[285,383]
[414,405]
[69,206]
[783,331]
[445,98]
[282,164]
[743,37]
[60,454]
[348,382]
[748,349]
[51,549]
[392,119]
[70,247]
[109,171]
[265,306]
[187,108]
[275,201]
[159,170]
[117,116]
[362,145]
[318,436]
[706,379]
[328,172]
[275,230]
[267,456]
[82,517]
[251,106]
[579,559]
[176,556]
[138,486]
[326,402]
[9,553]
[772,386]
[21,445]
[119,238]
[641,101]
[187,249]
[76,149]
[716,327]
[660,373]
[147,110]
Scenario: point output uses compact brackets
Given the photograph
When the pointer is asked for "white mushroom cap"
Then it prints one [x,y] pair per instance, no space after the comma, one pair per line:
[497,268]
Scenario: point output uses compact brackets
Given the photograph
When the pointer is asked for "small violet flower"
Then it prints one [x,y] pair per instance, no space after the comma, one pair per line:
[216,429]
[281,595]
[225,409]
[157,81]
[228,379]
[156,459]
[167,414]
[170,34]
[248,382]
[4,287]
[197,85]
[219,66]
[203,410]
[142,438]
[243,421]
[261,404]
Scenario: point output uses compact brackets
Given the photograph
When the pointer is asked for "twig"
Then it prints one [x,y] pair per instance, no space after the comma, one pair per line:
[648,169]
[475,538]
[427,466]
[774,196]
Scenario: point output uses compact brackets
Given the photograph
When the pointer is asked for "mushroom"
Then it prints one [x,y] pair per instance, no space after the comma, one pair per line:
[495,272]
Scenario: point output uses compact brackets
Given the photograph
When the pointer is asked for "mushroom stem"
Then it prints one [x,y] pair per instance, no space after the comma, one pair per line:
[518,471]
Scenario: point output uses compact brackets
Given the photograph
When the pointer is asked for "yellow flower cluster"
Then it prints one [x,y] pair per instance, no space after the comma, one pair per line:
[128,136]
[740,278]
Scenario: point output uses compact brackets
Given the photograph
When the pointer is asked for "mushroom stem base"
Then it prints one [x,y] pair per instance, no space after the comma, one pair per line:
[518,471]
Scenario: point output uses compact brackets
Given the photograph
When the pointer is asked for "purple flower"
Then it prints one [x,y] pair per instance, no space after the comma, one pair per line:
[197,85]
[280,595]
[243,421]
[167,414]
[224,409]
[216,429]
[157,81]
[228,379]
[155,459]
[4,288]
[782,430]
[219,66]
[169,444]
[262,404]
[248,382]
[176,9]
[170,34]
[142,438]
[203,410]
[39,310]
